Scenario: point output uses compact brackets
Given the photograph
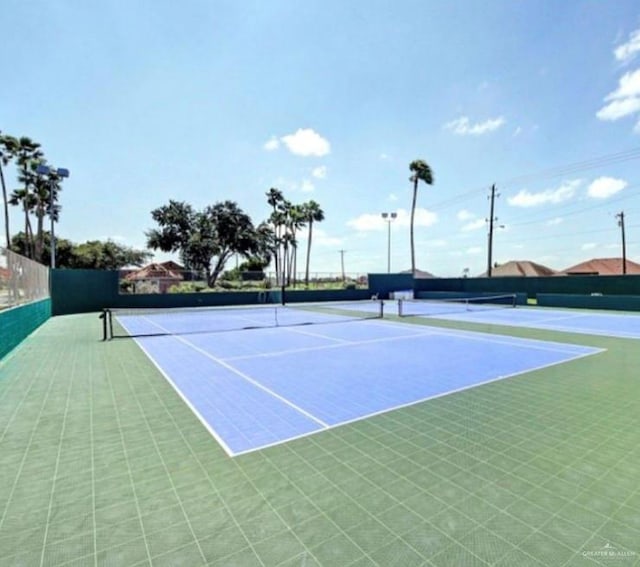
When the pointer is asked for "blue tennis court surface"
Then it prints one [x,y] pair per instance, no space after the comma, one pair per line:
[604,324]
[257,388]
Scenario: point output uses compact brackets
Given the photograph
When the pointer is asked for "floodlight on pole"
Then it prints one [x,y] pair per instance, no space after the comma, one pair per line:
[43,169]
[389,218]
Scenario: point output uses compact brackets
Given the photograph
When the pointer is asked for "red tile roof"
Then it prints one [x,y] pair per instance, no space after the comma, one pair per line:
[603,267]
[520,268]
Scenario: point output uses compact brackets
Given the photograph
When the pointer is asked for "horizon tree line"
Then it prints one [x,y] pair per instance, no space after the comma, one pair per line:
[205,240]
[217,232]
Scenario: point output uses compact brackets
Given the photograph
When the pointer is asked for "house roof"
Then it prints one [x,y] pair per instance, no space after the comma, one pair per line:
[603,267]
[419,273]
[156,271]
[519,268]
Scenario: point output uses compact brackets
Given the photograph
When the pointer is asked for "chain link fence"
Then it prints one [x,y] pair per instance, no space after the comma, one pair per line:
[21,280]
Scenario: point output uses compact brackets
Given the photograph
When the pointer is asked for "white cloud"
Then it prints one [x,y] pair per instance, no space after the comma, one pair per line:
[474,250]
[463,126]
[271,144]
[556,221]
[306,142]
[525,198]
[319,172]
[589,246]
[604,187]
[373,221]
[627,51]
[625,100]
[619,108]
[474,225]
[321,238]
[464,215]
[366,222]
[307,186]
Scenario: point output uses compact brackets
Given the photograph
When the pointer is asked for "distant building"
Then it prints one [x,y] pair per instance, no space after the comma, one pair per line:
[155,277]
[602,267]
[519,268]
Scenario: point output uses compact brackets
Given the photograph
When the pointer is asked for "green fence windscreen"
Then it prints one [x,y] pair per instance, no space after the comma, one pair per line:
[17,323]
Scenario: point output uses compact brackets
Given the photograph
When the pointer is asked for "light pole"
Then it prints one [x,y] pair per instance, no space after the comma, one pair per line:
[59,172]
[389,218]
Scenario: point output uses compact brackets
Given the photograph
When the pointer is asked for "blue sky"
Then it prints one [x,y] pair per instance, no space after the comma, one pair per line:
[207,100]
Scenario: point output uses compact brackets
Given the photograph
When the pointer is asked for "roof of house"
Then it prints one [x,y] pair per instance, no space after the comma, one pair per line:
[603,267]
[419,273]
[519,268]
[156,271]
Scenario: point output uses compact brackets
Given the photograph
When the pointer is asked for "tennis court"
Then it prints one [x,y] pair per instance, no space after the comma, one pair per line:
[500,312]
[104,463]
[270,385]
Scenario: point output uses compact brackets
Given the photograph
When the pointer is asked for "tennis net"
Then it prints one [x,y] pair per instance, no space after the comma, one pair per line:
[180,321]
[441,306]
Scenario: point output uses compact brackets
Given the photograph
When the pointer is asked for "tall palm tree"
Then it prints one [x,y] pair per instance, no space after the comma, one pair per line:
[421,172]
[275,198]
[45,193]
[6,156]
[296,220]
[26,152]
[313,213]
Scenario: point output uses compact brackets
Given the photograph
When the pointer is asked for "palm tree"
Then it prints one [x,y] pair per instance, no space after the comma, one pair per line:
[421,172]
[296,220]
[45,192]
[5,157]
[26,152]
[314,213]
[275,199]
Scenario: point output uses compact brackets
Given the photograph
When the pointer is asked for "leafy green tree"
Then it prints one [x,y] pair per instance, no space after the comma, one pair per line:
[421,172]
[90,255]
[313,213]
[176,220]
[106,255]
[205,237]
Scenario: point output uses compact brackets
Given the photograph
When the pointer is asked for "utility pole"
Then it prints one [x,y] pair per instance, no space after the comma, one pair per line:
[620,217]
[342,263]
[491,219]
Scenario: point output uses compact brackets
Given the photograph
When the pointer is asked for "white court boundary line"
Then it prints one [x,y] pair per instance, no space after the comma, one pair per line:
[241,374]
[428,331]
[419,401]
[541,324]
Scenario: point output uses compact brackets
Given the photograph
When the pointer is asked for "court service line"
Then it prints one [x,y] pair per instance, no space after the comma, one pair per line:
[244,377]
[419,401]
[562,318]
[344,343]
[498,339]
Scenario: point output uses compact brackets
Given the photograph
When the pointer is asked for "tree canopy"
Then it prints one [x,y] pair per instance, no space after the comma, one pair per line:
[90,255]
[207,239]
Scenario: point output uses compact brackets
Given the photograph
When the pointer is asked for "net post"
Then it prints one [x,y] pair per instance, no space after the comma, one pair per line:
[110,317]
[104,316]
[381,308]
[400,307]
